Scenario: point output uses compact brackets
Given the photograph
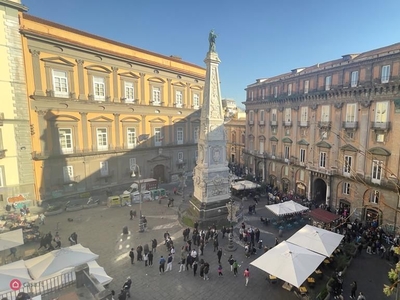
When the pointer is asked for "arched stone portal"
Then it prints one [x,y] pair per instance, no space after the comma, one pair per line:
[159,173]
[319,191]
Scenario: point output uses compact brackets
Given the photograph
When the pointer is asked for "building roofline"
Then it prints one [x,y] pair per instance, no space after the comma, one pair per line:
[106,40]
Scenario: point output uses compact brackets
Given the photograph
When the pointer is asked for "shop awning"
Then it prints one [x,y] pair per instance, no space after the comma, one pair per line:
[323,215]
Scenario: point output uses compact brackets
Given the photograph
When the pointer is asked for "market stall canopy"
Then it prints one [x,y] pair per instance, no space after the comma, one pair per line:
[323,215]
[99,273]
[286,208]
[316,239]
[11,239]
[16,270]
[289,262]
[57,260]
[245,185]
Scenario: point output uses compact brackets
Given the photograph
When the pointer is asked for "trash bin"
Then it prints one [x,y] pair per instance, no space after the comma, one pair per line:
[113,201]
[125,199]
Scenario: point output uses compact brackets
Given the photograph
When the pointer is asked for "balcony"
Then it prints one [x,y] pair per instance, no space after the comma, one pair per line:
[69,181]
[327,171]
[102,175]
[325,124]
[261,123]
[287,123]
[304,124]
[129,101]
[380,125]
[273,123]
[350,125]
[3,153]
[251,122]
[181,163]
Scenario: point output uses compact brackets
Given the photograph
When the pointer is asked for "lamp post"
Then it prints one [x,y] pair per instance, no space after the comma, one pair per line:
[141,225]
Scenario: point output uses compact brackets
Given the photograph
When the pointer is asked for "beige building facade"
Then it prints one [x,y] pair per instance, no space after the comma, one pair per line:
[101,111]
[331,132]
[16,168]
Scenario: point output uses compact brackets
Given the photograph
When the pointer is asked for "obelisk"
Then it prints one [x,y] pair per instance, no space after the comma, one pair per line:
[210,176]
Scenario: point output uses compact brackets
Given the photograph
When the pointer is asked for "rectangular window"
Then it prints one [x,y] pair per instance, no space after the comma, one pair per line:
[68,172]
[289,89]
[180,156]
[322,159]
[261,146]
[179,136]
[376,171]
[102,139]
[157,136]
[178,99]
[351,110]
[196,155]
[348,161]
[251,116]
[273,167]
[306,86]
[385,75]
[262,112]
[263,93]
[328,83]
[99,88]
[65,138]
[196,101]
[288,114]
[273,150]
[275,91]
[196,134]
[156,91]
[129,92]
[104,168]
[354,79]
[380,137]
[302,156]
[2,183]
[325,113]
[381,112]
[60,84]
[346,188]
[286,171]
[304,114]
[287,152]
[131,137]
[274,115]
[132,163]
[374,198]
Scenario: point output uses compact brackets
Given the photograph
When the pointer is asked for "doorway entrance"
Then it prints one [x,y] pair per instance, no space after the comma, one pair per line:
[319,191]
[159,173]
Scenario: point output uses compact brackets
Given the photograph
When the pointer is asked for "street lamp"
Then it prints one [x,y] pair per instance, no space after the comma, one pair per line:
[141,225]
[230,205]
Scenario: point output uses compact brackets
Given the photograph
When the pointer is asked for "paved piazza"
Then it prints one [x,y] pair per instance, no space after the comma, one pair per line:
[100,229]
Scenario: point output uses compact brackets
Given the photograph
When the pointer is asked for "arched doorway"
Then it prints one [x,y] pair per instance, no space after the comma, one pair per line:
[260,173]
[319,191]
[272,181]
[301,189]
[285,185]
[158,173]
[372,217]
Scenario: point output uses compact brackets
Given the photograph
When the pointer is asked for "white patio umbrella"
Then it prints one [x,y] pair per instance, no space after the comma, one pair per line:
[16,270]
[99,273]
[289,262]
[286,208]
[57,260]
[316,239]
[11,239]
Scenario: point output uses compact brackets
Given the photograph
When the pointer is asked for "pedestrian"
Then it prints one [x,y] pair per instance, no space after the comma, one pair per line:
[194,267]
[206,270]
[153,245]
[42,217]
[131,214]
[127,287]
[172,252]
[162,265]
[361,296]
[146,259]
[57,240]
[183,259]
[276,241]
[220,270]
[223,230]
[219,255]
[150,257]
[201,248]
[246,275]
[235,268]
[169,263]
[139,250]
[353,290]
[132,256]
[215,244]
[231,261]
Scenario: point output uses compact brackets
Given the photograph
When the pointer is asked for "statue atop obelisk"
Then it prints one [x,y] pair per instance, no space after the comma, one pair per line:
[211,174]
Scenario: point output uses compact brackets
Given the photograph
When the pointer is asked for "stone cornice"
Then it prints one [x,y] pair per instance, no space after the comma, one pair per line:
[12,4]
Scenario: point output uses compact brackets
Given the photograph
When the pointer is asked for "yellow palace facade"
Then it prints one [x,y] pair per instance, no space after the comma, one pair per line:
[100,109]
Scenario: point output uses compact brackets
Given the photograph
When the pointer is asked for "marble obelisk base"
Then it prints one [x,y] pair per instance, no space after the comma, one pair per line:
[207,214]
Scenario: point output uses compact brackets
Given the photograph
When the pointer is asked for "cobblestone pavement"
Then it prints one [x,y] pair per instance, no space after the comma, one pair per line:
[100,229]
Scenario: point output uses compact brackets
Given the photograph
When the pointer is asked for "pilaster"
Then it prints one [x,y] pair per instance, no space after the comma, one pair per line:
[81,80]
[142,89]
[115,83]
[169,89]
[37,78]
[117,135]
[84,130]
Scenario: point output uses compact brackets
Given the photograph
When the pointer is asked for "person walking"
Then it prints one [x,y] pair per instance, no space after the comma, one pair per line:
[127,286]
[169,262]
[150,257]
[220,271]
[132,256]
[194,267]
[361,296]
[153,245]
[183,259]
[353,290]
[231,261]
[219,255]
[206,270]
[235,268]
[146,259]
[131,214]
[162,265]
[246,275]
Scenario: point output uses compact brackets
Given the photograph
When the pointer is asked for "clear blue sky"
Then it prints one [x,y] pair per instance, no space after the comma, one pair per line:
[256,39]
